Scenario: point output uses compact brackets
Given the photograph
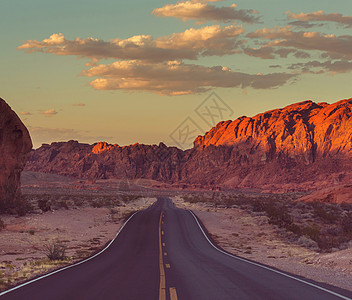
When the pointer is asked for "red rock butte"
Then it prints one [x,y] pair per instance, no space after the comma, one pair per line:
[15,145]
[304,146]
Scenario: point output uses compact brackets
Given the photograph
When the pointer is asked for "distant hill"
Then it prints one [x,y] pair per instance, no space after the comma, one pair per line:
[304,146]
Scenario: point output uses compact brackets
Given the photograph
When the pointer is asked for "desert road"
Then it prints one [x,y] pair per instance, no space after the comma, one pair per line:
[162,253]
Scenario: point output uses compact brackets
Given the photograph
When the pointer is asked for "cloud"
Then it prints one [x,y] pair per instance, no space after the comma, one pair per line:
[317,67]
[202,11]
[339,46]
[319,16]
[208,40]
[48,113]
[176,78]
[25,113]
[304,24]
[79,104]
[266,52]
[137,47]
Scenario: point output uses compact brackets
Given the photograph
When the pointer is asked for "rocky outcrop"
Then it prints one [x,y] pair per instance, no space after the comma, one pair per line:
[303,146]
[15,145]
[103,161]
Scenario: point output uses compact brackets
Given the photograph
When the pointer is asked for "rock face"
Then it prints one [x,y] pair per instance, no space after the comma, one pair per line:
[103,161]
[15,146]
[303,146]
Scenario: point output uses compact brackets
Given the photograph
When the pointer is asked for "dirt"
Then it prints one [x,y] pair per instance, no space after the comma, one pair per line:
[82,231]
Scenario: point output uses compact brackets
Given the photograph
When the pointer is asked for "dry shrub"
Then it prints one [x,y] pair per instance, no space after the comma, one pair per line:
[55,251]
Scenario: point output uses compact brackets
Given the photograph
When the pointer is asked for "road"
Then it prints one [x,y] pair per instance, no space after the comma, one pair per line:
[163,253]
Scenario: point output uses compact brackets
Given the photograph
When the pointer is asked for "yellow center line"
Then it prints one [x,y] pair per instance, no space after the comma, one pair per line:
[162,288]
[173,294]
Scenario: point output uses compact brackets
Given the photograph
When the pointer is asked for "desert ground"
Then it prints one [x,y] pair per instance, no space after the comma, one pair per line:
[84,216]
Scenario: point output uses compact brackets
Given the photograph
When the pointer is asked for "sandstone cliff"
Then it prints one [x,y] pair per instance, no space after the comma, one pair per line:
[303,146]
[103,161]
[15,145]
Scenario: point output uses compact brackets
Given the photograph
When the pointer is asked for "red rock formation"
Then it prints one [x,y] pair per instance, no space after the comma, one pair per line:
[102,146]
[303,146]
[336,194]
[102,161]
[15,145]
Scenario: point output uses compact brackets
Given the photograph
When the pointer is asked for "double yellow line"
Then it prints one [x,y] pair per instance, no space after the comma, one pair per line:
[162,287]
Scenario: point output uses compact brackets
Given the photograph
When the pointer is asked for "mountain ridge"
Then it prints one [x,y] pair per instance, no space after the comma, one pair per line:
[302,146]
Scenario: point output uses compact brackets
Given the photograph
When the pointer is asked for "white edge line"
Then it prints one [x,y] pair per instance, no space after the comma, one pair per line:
[70,266]
[265,267]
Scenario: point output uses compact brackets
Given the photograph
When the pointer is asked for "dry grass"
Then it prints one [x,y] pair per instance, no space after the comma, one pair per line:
[327,227]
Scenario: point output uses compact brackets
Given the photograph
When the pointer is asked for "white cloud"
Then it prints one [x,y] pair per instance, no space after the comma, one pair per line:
[202,11]
[208,40]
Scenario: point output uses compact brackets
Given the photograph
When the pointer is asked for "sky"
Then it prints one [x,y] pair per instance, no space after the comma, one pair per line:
[166,71]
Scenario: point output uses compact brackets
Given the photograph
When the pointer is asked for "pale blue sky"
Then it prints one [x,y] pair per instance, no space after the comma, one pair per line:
[39,82]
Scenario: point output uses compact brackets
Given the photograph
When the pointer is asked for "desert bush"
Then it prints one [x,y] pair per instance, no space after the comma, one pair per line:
[44,204]
[308,242]
[193,199]
[98,204]
[114,211]
[346,223]
[327,242]
[346,206]
[312,232]
[326,214]
[63,204]
[78,201]
[55,251]
[127,214]
[229,202]
[2,224]
[258,205]
[128,198]
[278,215]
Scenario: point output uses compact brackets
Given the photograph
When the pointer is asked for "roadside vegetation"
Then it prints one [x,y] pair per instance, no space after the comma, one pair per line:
[48,202]
[323,227]
[59,249]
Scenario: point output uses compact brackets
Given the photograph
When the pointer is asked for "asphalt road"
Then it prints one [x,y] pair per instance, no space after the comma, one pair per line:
[163,253]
